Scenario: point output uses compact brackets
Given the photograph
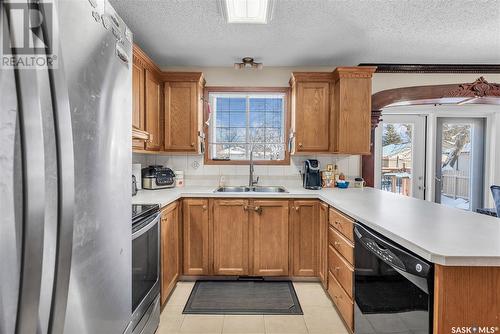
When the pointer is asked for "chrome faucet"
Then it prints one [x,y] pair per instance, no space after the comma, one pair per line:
[251,181]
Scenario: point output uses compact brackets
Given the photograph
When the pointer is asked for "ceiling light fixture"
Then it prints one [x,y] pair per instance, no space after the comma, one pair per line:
[247,11]
[248,62]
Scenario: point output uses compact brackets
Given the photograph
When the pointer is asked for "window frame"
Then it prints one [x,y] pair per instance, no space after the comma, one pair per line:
[248,90]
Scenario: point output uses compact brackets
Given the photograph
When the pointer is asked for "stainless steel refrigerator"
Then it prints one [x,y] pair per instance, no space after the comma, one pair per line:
[65,164]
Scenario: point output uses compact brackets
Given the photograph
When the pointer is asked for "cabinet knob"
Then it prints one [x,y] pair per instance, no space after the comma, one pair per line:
[245,207]
[258,209]
[297,208]
[300,144]
[337,268]
[192,144]
[336,243]
[204,207]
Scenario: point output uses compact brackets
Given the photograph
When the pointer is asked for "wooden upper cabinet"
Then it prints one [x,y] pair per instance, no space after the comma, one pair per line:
[305,233]
[323,244]
[311,111]
[153,106]
[183,110]
[351,110]
[195,236]
[138,118]
[146,103]
[170,249]
[270,237]
[230,237]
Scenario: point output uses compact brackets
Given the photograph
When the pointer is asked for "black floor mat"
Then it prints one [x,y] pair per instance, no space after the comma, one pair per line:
[243,297]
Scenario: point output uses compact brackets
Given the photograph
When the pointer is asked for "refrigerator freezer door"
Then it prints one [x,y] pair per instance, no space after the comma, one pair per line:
[99,83]
[23,189]
[11,201]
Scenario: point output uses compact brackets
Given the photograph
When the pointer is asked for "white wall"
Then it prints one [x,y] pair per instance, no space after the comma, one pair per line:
[267,77]
[279,77]
[383,81]
[192,165]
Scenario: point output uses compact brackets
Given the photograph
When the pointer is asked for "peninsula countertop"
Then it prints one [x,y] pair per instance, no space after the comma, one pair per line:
[439,234]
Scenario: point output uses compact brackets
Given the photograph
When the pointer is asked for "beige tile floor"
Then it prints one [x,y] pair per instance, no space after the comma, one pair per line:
[320,317]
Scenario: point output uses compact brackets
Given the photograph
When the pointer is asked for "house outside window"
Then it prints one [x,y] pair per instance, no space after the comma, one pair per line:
[246,121]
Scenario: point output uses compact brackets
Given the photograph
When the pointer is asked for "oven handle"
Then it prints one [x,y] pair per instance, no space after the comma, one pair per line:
[146,228]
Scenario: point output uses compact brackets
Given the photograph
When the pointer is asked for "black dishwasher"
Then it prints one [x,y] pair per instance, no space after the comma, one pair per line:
[393,287]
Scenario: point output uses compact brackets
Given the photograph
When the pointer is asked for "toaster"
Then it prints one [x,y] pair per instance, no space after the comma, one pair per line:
[157,177]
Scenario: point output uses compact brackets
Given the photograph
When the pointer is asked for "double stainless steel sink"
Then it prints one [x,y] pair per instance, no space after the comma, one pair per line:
[257,189]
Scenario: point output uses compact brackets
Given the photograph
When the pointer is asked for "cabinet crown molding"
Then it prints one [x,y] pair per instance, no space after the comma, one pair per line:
[354,72]
[141,58]
[183,76]
[310,77]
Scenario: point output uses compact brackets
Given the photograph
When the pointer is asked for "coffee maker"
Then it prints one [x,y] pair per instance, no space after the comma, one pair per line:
[312,175]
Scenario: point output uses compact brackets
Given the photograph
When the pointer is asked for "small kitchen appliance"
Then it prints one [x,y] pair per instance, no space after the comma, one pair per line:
[312,175]
[157,177]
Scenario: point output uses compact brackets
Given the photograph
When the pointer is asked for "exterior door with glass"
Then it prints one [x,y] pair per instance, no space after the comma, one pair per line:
[400,155]
[459,178]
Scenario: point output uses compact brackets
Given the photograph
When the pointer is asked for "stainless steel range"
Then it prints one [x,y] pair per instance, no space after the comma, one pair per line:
[145,269]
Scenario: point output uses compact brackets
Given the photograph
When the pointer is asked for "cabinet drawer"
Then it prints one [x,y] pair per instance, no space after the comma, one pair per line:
[344,304]
[341,223]
[342,271]
[341,244]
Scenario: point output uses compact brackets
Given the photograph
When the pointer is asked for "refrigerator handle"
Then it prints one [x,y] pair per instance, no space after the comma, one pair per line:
[65,176]
[33,171]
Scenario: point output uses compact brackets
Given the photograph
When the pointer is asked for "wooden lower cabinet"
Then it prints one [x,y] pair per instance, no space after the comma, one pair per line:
[270,237]
[249,237]
[304,249]
[342,301]
[230,237]
[465,297]
[195,236]
[323,244]
[170,249]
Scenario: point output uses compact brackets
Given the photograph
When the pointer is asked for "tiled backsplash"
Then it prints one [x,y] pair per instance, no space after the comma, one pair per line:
[193,165]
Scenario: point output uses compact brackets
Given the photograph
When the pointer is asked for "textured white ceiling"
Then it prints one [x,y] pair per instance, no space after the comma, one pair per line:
[318,32]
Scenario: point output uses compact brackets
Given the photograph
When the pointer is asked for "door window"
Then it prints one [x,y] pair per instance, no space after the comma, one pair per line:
[460,162]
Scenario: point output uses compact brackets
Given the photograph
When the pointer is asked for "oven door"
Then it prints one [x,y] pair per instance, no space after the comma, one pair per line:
[390,296]
[145,266]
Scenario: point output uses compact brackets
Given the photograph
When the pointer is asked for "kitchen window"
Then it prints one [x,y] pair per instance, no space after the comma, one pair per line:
[242,121]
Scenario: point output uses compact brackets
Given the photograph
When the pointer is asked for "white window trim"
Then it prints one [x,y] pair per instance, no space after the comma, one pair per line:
[247,95]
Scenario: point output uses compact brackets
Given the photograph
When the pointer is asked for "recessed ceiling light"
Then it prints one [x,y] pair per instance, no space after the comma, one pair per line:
[247,11]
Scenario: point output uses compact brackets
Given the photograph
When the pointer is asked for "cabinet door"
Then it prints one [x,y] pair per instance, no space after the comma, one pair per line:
[230,237]
[305,238]
[312,116]
[138,102]
[351,110]
[270,237]
[170,251]
[181,116]
[195,236]
[153,104]
[323,244]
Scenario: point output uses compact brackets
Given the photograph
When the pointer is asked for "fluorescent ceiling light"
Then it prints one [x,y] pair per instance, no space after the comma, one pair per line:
[247,11]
